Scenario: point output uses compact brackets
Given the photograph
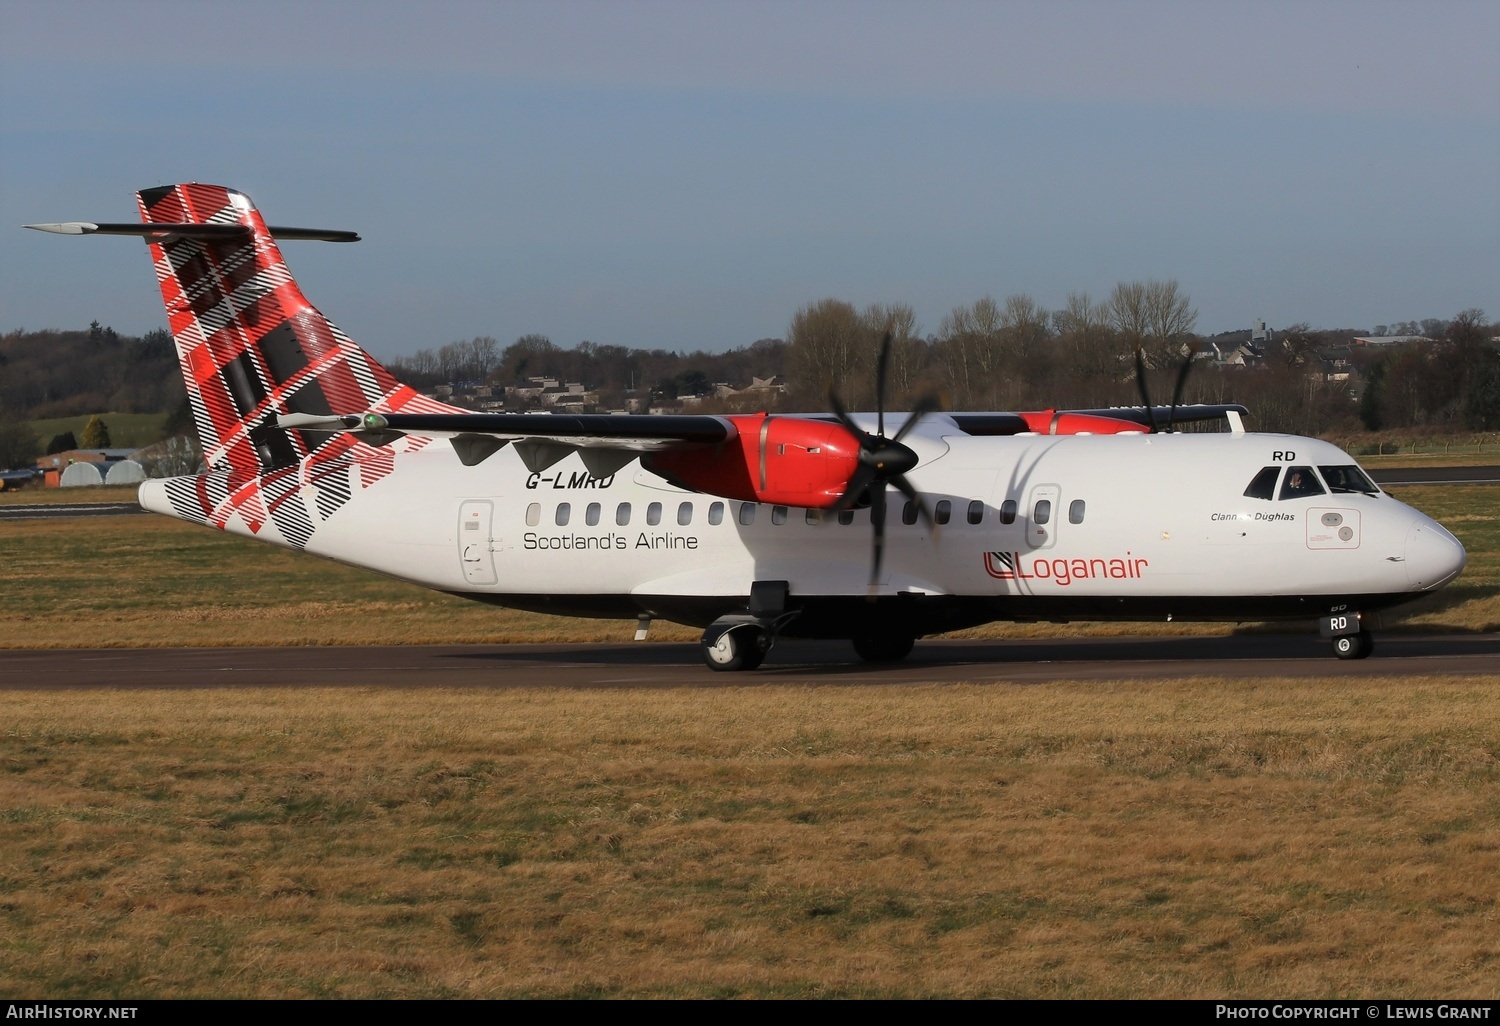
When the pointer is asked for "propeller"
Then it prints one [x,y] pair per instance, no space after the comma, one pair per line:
[1182,376]
[883,461]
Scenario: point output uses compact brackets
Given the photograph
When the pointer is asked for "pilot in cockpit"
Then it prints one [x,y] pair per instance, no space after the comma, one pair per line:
[1300,482]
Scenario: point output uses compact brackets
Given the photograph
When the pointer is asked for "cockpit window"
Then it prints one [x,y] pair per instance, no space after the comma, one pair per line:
[1348,479]
[1300,482]
[1263,486]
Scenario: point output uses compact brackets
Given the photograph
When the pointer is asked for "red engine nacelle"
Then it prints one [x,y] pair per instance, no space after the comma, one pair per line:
[1051,422]
[783,460]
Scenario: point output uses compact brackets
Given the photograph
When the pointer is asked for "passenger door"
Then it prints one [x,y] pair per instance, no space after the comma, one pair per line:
[476,543]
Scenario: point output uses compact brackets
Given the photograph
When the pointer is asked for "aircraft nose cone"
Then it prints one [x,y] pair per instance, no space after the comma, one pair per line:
[1433,556]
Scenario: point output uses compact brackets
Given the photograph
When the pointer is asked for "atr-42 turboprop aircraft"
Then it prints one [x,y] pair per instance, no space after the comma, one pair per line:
[751,527]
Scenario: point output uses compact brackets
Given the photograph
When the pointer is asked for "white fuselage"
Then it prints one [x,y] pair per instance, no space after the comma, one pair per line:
[1137,526]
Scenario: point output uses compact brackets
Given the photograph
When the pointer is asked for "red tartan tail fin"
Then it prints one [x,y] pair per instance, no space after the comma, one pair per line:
[250,344]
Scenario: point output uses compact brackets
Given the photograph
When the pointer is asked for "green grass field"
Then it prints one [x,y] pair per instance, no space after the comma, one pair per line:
[126,430]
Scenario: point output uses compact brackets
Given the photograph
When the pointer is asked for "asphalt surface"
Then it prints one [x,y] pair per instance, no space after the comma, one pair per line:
[1435,475]
[653,665]
[56,510]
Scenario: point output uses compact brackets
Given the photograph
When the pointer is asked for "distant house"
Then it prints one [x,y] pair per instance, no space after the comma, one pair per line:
[1233,354]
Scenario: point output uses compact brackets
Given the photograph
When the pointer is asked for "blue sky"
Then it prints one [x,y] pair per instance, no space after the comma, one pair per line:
[686,175]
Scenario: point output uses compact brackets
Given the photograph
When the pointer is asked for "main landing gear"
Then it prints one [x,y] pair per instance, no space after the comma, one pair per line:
[883,648]
[740,641]
[738,648]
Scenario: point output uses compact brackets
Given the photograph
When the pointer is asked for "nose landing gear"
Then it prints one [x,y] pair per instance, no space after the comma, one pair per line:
[1350,639]
[1353,646]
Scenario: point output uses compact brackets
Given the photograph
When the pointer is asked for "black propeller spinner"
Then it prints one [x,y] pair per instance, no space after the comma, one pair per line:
[882,461]
[1182,375]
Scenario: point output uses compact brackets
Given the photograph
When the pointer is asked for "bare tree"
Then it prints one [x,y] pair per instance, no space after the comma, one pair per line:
[973,348]
[908,350]
[1155,317]
[1128,313]
[1090,351]
[1170,318]
[1297,344]
[1023,325]
[832,350]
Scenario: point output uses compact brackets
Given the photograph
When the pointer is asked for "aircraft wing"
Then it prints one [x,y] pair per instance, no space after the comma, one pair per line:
[801,459]
[605,442]
[1106,421]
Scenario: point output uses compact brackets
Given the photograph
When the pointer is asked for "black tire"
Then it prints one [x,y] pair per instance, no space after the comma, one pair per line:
[1353,646]
[883,648]
[734,650]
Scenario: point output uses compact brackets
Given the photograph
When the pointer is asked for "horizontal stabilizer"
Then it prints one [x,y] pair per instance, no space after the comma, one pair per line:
[192,231]
[318,421]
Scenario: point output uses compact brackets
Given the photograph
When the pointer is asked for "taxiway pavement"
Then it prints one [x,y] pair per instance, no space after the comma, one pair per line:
[654,664]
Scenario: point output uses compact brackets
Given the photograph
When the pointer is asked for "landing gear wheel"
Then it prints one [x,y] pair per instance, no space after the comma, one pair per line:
[883,648]
[734,650]
[1353,646]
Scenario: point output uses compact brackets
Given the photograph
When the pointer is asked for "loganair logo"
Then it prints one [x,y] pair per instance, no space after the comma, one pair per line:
[1009,566]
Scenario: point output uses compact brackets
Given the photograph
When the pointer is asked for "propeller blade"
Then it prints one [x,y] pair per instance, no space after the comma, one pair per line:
[858,482]
[843,416]
[923,513]
[877,520]
[1140,381]
[882,461]
[927,404]
[1182,375]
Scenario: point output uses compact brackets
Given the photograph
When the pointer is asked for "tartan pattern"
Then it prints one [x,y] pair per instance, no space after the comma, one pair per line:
[251,347]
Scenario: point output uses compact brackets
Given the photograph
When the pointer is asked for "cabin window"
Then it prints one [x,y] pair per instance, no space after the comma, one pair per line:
[716,514]
[533,514]
[591,515]
[1075,511]
[943,513]
[747,513]
[564,511]
[1348,479]
[778,514]
[1008,511]
[1043,511]
[653,514]
[1299,483]
[684,514]
[622,514]
[846,517]
[909,513]
[1263,485]
[976,511]
[814,516]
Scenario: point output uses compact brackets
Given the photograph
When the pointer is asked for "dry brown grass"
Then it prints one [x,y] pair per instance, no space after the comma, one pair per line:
[36,495]
[1196,839]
